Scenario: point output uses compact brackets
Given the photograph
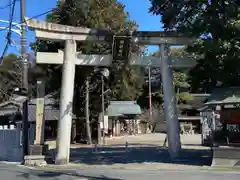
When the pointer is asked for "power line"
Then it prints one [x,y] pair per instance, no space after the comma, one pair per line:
[33,17]
[15,25]
[9,5]
[9,31]
[8,37]
[10,9]
[11,15]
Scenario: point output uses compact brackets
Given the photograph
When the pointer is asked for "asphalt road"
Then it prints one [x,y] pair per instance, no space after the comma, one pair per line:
[157,174]
[12,172]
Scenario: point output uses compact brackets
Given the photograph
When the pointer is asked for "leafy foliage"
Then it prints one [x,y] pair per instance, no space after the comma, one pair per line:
[10,74]
[124,82]
[180,81]
[216,25]
[157,117]
[183,97]
[180,78]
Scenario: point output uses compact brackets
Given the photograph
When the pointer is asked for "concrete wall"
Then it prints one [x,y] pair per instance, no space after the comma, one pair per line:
[10,143]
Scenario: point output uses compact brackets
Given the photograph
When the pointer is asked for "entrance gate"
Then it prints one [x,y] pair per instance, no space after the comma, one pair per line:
[70,34]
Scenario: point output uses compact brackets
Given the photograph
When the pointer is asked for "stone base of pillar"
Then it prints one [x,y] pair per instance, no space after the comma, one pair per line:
[38,149]
[35,160]
[61,161]
[38,156]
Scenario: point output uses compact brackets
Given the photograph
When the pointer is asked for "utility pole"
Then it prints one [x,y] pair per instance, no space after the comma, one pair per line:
[24,77]
[89,136]
[104,73]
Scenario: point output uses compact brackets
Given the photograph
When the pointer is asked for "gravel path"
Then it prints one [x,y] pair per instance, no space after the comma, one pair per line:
[144,152]
[144,158]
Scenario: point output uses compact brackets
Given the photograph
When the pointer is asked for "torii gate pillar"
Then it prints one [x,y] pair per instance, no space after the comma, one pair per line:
[170,108]
[66,101]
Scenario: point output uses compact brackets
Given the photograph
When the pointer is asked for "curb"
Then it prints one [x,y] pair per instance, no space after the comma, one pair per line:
[9,163]
[75,167]
[222,168]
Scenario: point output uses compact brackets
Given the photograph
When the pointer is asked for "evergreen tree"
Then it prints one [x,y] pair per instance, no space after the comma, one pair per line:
[216,25]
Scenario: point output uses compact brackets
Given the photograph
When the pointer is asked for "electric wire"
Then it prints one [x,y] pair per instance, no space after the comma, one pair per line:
[33,17]
[9,5]
[8,37]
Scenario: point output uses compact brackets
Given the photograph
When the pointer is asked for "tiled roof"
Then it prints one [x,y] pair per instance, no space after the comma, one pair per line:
[119,108]
[198,99]
[228,95]
[190,118]
[48,100]
[5,112]
[51,111]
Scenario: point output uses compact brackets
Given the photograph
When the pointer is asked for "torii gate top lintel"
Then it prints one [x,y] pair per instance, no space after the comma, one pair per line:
[52,31]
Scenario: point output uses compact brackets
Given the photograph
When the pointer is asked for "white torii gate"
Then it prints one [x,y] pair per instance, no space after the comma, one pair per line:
[69,58]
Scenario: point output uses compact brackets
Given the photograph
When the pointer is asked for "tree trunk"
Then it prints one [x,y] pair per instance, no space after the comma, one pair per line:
[88,127]
[73,131]
[99,129]
[165,141]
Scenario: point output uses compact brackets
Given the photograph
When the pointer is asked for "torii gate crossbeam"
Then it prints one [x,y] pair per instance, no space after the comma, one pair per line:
[106,60]
[70,35]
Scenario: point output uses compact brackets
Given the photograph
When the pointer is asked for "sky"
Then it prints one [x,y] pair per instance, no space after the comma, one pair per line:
[137,12]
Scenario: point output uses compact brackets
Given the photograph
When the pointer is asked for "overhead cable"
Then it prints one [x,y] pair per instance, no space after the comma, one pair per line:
[8,37]
[9,5]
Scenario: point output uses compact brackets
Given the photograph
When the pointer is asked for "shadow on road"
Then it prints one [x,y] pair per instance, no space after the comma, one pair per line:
[138,153]
[10,172]
[33,174]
